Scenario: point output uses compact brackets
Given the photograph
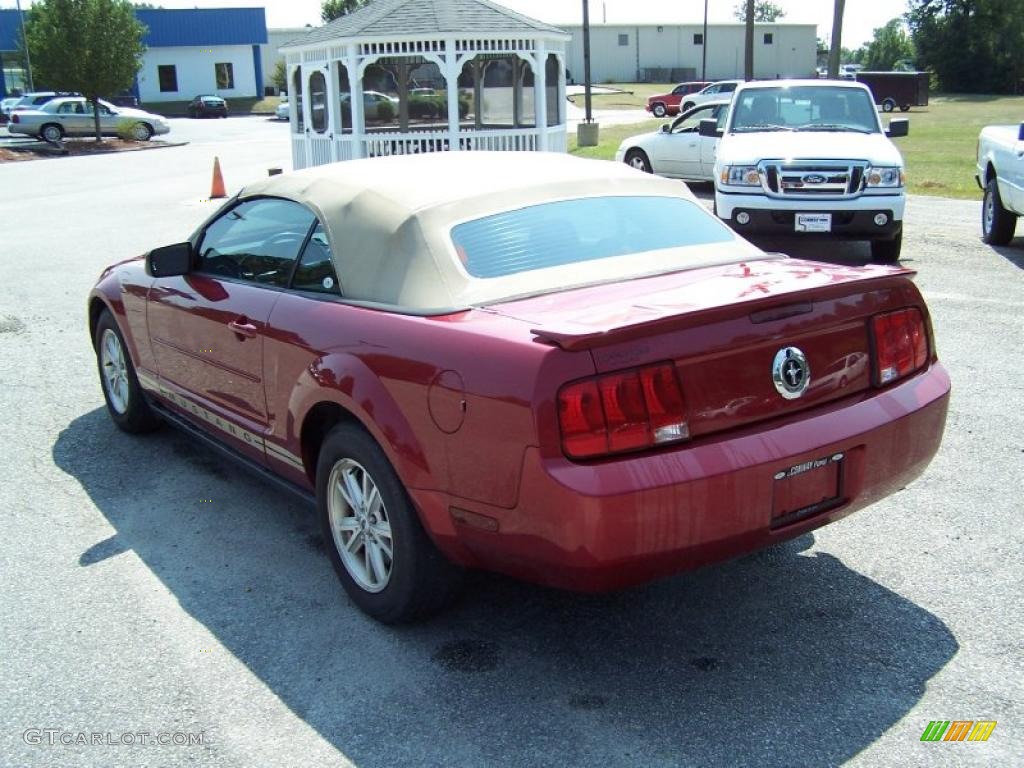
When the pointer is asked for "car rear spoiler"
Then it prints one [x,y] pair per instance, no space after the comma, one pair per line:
[647,320]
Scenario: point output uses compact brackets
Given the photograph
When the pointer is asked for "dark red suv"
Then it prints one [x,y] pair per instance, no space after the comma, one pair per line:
[668,103]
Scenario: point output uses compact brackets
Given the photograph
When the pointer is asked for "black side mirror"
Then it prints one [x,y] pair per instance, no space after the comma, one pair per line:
[666,127]
[709,127]
[170,260]
[897,128]
[1020,133]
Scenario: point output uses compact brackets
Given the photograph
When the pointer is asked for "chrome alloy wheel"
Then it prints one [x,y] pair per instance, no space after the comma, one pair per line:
[636,161]
[359,524]
[115,371]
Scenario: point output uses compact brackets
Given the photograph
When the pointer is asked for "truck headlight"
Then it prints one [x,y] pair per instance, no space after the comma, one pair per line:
[885,177]
[741,176]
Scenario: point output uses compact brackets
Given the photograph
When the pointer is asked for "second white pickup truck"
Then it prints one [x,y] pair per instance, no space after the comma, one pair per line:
[1001,175]
[810,157]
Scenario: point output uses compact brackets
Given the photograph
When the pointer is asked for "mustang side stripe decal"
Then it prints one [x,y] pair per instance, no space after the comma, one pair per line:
[272,450]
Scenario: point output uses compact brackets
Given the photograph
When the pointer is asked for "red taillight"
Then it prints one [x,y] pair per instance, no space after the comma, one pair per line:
[14,117]
[619,412]
[901,344]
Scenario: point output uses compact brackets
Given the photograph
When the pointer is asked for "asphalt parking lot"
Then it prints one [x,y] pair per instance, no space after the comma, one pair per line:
[149,588]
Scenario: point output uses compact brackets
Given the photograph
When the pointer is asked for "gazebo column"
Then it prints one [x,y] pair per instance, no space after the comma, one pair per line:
[479,70]
[540,95]
[451,78]
[355,81]
[334,108]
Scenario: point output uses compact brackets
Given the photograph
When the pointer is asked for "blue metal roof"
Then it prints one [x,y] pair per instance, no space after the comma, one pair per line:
[169,28]
[203,26]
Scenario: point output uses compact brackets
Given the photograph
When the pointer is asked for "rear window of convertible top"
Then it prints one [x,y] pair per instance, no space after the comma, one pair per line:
[576,231]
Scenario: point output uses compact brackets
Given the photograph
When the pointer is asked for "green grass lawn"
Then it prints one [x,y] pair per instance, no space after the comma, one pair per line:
[939,152]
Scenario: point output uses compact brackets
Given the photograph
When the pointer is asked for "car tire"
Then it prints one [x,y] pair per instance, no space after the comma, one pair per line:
[904,107]
[365,513]
[659,110]
[637,158]
[887,251]
[888,105]
[688,105]
[122,392]
[51,132]
[997,223]
[141,132]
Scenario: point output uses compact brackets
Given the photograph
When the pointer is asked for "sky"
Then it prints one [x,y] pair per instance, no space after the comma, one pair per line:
[860,19]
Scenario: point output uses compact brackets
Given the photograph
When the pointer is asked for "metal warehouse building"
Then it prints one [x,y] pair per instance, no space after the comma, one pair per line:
[188,52]
[626,53]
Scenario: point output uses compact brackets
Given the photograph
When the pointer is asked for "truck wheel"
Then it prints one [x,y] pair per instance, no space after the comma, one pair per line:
[887,251]
[658,109]
[904,107]
[888,105]
[997,223]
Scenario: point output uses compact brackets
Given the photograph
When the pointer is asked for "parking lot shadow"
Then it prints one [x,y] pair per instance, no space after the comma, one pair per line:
[1013,253]
[786,657]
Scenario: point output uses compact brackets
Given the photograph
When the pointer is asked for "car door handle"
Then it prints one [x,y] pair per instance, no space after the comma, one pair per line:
[242,327]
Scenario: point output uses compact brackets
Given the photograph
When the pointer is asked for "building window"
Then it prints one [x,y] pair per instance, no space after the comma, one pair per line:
[167,74]
[698,39]
[225,75]
[623,39]
[768,38]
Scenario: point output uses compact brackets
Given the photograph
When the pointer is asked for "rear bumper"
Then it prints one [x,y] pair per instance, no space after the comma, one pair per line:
[606,526]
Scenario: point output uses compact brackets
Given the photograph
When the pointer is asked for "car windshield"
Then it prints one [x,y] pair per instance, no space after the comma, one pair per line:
[577,231]
[804,108]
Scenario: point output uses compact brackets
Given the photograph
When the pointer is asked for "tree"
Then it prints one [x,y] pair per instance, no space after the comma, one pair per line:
[334,9]
[836,50]
[748,57]
[279,77]
[764,11]
[890,44]
[91,46]
[972,47]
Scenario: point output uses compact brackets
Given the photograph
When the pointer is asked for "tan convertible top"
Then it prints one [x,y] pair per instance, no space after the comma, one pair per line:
[388,221]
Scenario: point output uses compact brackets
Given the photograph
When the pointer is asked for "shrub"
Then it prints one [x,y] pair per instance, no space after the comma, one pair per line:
[124,130]
[385,111]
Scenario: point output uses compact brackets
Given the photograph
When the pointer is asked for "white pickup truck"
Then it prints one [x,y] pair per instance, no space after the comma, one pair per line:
[810,157]
[1001,175]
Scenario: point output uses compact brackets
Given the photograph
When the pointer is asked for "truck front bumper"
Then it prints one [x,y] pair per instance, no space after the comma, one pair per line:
[855,219]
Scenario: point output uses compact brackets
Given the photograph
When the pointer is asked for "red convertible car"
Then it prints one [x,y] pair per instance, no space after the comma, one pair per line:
[561,369]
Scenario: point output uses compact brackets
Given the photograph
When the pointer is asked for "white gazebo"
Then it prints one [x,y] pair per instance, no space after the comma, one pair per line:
[401,76]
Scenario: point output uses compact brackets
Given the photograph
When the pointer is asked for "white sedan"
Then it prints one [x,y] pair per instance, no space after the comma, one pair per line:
[677,150]
[73,116]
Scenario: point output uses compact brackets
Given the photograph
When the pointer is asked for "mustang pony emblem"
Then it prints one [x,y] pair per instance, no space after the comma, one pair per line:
[791,373]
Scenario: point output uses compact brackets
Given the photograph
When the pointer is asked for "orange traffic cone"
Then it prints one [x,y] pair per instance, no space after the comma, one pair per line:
[217,190]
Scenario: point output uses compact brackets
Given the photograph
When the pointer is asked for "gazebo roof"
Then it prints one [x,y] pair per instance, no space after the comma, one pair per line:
[401,18]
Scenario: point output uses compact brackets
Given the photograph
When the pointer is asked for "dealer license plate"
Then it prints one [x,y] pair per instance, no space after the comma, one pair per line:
[807,488]
[813,222]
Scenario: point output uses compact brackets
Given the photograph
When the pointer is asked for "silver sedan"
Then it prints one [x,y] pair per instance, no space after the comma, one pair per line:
[74,117]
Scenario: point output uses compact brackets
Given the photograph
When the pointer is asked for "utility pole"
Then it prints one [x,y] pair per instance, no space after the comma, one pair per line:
[704,51]
[835,51]
[24,42]
[748,64]
[586,60]
[587,131]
